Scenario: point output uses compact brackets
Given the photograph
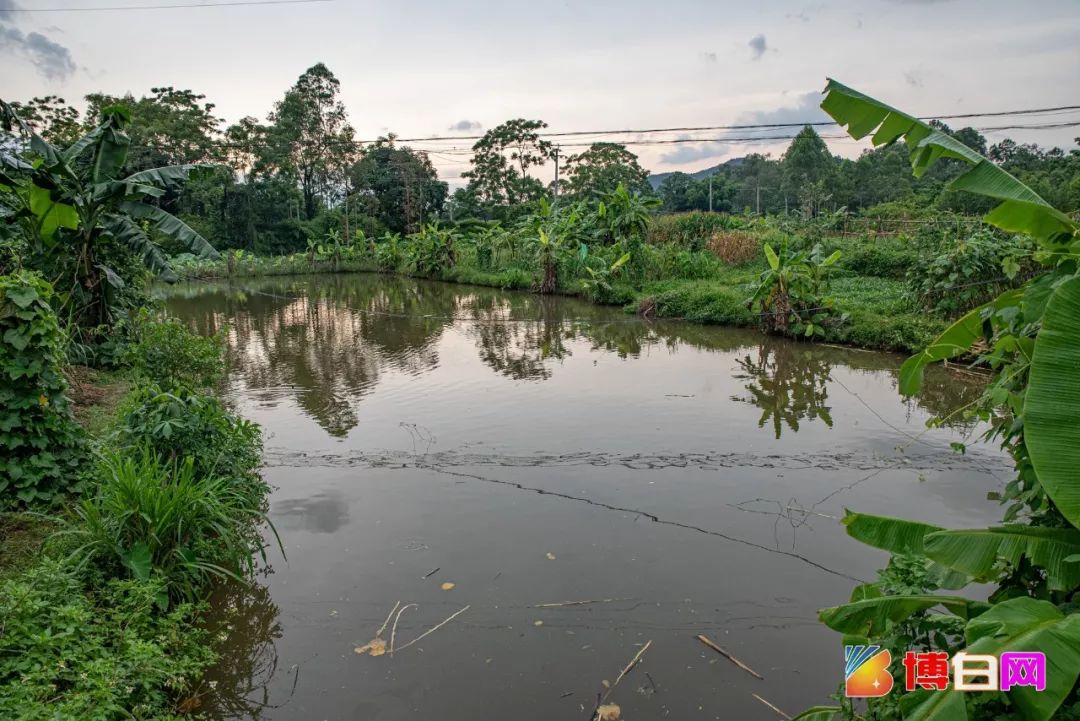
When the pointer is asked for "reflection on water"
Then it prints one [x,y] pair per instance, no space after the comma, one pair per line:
[533,450]
[788,384]
[326,341]
[239,685]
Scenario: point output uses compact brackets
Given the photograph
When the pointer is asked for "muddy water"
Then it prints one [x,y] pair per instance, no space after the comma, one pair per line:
[539,451]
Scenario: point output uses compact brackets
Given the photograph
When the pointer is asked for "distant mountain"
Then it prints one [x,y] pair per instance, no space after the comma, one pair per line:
[655,180]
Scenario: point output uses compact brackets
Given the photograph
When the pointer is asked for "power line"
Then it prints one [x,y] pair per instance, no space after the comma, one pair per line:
[227,3]
[754,126]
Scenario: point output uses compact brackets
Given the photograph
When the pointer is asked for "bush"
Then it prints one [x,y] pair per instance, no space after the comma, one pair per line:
[40,444]
[181,424]
[100,657]
[169,354]
[970,273]
[165,520]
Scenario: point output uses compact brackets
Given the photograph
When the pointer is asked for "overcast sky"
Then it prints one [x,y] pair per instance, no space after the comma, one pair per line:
[424,67]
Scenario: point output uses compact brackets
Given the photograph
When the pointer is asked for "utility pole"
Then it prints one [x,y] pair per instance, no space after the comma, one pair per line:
[556,175]
[710,193]
[759,199]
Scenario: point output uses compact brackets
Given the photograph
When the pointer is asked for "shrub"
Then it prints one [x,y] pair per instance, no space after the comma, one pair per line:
[169,354]
[181,424]
[158,519]
[735,247]
[40,444]
[788,293]
[101,657]
[969,273]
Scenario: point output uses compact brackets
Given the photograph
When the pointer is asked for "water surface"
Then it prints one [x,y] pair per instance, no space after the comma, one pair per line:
[540,451]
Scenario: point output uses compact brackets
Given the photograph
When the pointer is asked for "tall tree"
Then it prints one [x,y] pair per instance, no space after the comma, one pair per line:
[310,138]
[501,161]
[52,118]
[603,168]
[808,167]
[400,186]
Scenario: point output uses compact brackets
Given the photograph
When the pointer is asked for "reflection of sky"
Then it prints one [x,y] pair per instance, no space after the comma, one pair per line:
[419,67]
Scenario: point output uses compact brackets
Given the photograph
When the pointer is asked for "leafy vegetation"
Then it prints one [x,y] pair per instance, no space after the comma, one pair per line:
[40,443]
[1029,336]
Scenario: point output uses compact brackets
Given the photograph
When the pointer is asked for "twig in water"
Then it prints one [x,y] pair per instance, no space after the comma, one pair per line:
[629,666]
[771,706]
[578,603]
[429,574]
[387,621]
[436,628]
[393,630]
[729,657]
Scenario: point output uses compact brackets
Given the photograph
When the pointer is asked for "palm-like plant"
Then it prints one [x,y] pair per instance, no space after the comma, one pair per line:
[76,211]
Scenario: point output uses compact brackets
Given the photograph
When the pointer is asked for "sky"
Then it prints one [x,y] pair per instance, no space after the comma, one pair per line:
[423,68]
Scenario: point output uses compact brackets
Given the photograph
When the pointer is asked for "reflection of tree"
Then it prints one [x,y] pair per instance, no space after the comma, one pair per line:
[248,660]
[327,339]
[517,342]
[788,384]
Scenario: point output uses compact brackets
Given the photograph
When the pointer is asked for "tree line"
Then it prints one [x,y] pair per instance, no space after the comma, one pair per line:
[300,175]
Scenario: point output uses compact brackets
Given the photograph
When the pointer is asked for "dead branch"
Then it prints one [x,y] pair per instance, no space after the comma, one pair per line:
[729,657]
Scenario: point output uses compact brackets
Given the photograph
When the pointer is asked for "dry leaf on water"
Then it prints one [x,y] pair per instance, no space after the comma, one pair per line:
[551,556]
[538,623]
[375,647]
[609,712]
[448,586]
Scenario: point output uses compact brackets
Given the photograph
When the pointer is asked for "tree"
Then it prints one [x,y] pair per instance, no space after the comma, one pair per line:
[501,161]
[401,185]
[310,138]
[603,168]
[52,118]
[84,221]
[807,167]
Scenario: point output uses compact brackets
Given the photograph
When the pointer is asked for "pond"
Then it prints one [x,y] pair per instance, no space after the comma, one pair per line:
[539,452]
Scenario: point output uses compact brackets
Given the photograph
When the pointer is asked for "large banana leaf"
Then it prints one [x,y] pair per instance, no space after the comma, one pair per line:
[132,236]
[1052,404]
[820,713]
[872,617]
[1019,624]
[170,225]
[1025,624]
[51,215]
[953,341]
[168,176]
[933,706]
[896,535]
[1021,209]
[976,552]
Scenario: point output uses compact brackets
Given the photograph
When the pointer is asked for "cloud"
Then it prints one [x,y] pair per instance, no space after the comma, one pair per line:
[806,109]
[915,78]
[466,125]
[51,59]
[758,46]
[695,151]
[709,57]
[919,2]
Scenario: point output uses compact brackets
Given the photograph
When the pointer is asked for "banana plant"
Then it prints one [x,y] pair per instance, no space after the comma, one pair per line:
[79,210]
[1032,341]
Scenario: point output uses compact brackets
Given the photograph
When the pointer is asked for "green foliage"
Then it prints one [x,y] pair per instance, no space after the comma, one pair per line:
[603,168]
[40,445]
[95,657]
[598,285]
[1029,336]
[970,273]
[169,354]
[501,161]
[430,251]
[693,230]
[182,424]
[788,293]
[170,521]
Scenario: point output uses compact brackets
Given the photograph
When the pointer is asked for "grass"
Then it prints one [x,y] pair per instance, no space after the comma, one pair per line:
[24,535]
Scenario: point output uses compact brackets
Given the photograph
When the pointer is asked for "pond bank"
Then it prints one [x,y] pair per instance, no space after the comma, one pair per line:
[876,316]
